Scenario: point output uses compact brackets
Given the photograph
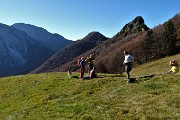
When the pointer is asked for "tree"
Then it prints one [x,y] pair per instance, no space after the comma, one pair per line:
[148,45]
[169,40]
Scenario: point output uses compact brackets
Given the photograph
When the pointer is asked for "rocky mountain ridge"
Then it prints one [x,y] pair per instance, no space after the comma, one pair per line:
[137,25]
[45,38]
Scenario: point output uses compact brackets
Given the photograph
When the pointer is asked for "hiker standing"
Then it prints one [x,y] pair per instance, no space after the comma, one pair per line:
[128,63]
[90,61]
[82,67]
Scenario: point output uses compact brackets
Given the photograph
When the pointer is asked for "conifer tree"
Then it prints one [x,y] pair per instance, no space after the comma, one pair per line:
[169,40]
[148,45]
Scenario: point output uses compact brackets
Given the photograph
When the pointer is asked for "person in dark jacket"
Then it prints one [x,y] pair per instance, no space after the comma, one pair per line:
[82,67]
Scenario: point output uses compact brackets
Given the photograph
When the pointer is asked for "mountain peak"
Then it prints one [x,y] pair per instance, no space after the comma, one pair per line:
[138,20]
[32,30]
[92,34]
[137,25]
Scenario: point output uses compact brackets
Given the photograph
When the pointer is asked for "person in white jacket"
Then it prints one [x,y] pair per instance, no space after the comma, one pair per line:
[128,63]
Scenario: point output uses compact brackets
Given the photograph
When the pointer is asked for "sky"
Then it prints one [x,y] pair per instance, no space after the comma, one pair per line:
[74,19]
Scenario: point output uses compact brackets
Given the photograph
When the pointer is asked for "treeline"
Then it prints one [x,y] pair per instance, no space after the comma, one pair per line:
[159,44]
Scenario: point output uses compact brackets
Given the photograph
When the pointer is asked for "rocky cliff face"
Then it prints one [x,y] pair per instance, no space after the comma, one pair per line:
[136,26]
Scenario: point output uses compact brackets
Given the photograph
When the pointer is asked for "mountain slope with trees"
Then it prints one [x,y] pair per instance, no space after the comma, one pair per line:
[108,55]
[143,45]
[106,52]
[75,49]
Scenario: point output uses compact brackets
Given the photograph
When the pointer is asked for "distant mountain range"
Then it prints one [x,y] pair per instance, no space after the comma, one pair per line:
[45,38]
[24,47]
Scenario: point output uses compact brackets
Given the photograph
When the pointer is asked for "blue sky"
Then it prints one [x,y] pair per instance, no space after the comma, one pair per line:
[74,19]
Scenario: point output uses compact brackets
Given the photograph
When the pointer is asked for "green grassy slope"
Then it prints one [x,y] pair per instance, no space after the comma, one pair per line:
[155,67]
[55,96]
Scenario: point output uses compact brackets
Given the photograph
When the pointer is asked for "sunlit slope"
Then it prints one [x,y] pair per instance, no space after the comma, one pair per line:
[155,67]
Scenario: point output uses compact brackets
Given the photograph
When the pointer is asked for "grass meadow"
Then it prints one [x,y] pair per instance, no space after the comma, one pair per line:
[56,96]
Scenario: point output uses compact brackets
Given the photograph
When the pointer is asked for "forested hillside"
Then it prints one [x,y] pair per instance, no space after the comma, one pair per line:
[143,43]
